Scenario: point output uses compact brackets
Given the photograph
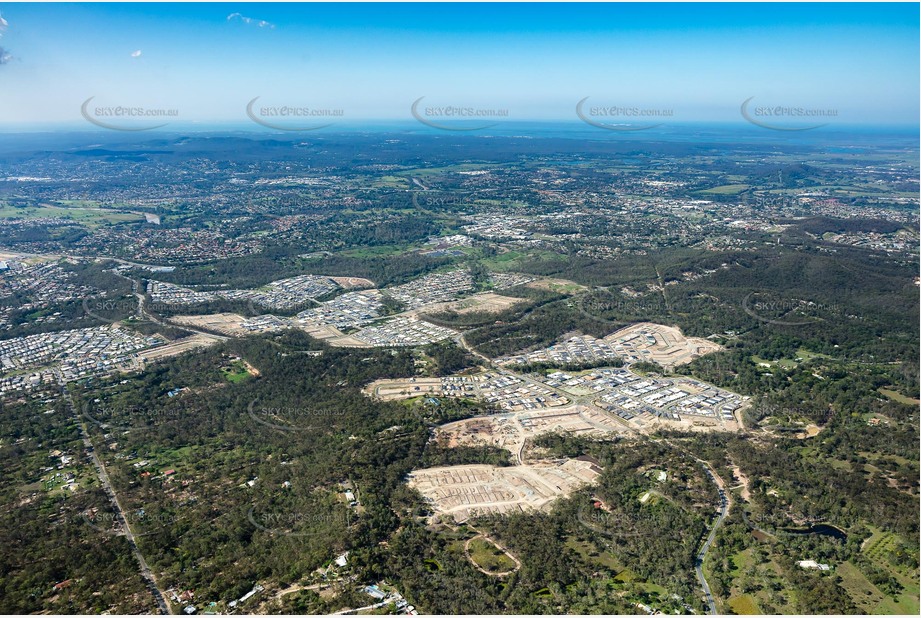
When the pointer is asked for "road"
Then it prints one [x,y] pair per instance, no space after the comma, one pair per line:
[141,312]
[57,256]
[702,554]
[725,505]
[144,570]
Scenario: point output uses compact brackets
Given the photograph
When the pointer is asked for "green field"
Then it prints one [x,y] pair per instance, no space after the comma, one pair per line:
[802,356]
[568,287]
[786,363]
[893,395]
[744,604]
[91,217]
[726,189]
[877,545]
[489,557]
[390,182]
[436,171]
[871,599]
[584,549]
[378,251]
[236,372]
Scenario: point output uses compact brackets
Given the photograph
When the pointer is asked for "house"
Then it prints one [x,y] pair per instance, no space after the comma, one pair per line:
[375,593]
[342,560]
[812,564]
[246,597]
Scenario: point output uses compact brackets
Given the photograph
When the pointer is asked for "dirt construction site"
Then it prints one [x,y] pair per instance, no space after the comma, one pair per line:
[665,345]
[511,431]
[462,492]
[228,324]
[485,302]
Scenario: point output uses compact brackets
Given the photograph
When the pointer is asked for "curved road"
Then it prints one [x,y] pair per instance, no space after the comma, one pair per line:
[702,554]
[725,505]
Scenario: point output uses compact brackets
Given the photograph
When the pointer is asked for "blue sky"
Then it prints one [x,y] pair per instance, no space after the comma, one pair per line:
[536,61]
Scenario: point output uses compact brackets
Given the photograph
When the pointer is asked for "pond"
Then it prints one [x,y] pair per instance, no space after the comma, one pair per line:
[821,529]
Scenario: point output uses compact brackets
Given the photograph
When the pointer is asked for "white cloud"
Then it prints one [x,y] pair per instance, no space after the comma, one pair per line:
[260,23]
[136,54]
[5,56]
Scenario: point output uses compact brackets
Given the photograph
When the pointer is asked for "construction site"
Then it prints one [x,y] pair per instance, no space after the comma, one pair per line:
[463,492]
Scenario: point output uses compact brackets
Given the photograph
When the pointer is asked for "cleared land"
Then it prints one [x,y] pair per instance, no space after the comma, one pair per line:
[563,286]
[645,341]
[665,345]
[468,491]
[510,431]
[485,302]
[349,283]
[389,390]
[229,324]
[503,390]
[176,347]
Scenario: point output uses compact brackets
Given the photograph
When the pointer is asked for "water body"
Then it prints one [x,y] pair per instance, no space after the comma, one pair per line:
[821,529]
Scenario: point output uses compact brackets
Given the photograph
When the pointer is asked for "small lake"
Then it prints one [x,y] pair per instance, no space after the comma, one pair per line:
[822,529]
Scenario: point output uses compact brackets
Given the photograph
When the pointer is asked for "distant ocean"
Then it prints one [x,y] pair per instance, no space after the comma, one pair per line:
[845,138]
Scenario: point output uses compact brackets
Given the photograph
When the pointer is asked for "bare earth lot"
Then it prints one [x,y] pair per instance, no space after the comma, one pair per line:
[665,345]
[467,491]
